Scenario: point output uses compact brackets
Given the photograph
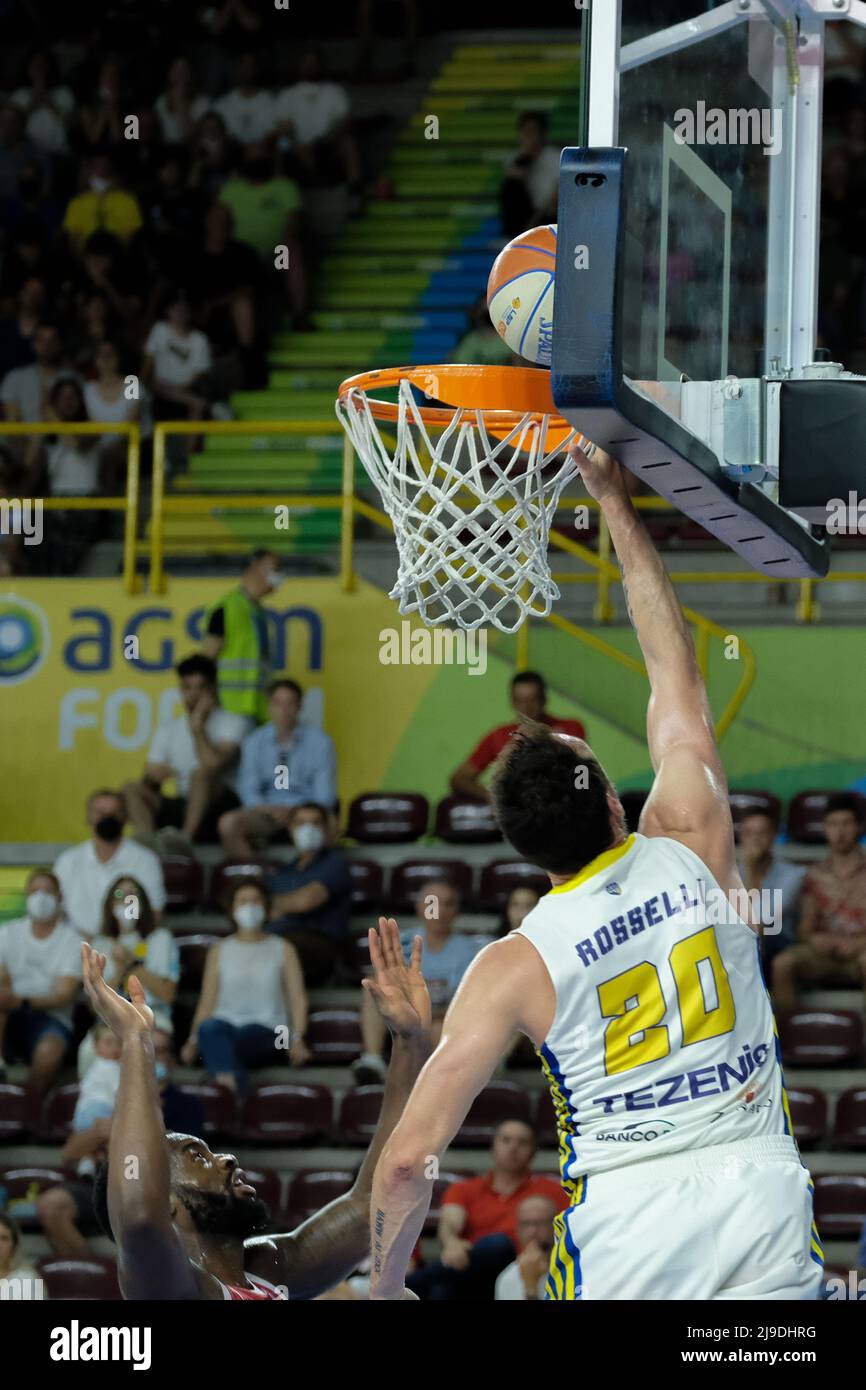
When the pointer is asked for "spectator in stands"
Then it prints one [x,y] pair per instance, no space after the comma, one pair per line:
[25,390]
[478,1220]
[313,127]
[284,763]
[97,1092]
[16,150]
[214,155]
[86,871]
[108,400]
[101,119]
[518,905]
[529,192]
[101,270]
[134,944]
[529,699]
[47,104]
[763,871]
[40,975]
[253,1005]
[832,945]
[19,1281]
[198,749]
[66,465]
[222,279]
[312,896]
[32,201]
[177,364]
[181,106]
[30,255]
[247,109]
[17,329]
[266,213]
[104,206]
[237,638]
[481,343]
[447,955]
[66,1211]
[526,1278]
[173,211]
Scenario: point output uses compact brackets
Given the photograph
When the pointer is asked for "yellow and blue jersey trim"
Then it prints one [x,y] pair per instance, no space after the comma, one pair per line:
[595,866]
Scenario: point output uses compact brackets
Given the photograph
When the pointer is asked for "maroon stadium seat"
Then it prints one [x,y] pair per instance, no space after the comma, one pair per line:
[501,1100]
[840,1204]
[821,1038]
[219,1107]
[633,803]
[24,1185]
[55,1122]
[359,1115]
[256,866]
[545,1122]
[806,816]
[440,1184]
[849,1128]
[499,877]
[193,953]
[184,883]
[744,803]
[94,1278]
[809,1114]
[334,1035]
[313,1189]
[18,1112]
[387,818]
[461,821]
[280,1113]
[367,885]
[408,878]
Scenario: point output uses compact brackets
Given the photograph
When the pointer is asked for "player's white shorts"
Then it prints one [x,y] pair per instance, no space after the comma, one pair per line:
[729,1222]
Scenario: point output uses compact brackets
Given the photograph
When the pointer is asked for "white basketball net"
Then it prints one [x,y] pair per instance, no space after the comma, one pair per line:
[471,512]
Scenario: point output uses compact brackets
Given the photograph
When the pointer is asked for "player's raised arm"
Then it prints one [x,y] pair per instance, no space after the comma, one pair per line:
[689,797]
[151,1262]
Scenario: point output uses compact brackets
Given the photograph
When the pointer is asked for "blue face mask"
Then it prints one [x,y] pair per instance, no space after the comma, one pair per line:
[161,1070]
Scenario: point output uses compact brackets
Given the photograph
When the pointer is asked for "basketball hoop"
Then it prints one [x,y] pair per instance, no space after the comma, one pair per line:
[471,486]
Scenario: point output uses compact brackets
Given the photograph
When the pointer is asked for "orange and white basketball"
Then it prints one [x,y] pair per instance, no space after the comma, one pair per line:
[520,294]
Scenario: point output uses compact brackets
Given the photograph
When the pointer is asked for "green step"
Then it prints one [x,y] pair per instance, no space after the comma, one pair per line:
[407,211]
[321,445]
[411,283]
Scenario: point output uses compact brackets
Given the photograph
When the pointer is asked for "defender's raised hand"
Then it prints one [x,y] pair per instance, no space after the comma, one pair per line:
[399,989]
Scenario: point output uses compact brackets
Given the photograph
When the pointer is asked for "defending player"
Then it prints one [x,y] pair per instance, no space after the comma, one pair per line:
[185,1219]
[640,986]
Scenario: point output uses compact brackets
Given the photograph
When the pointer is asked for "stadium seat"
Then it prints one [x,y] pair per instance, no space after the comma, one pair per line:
[461,821]
[359,1115]
[408,878]
[184,883]
[18,1113]
[821,1038]
[388,818]
[440,1184]
[221,879]
[311,1190]
[334,1036]
[633,803]
[806,816]
[92,1279]
[55,1122]
[840,1204]
[367,885]
[193,952]
[849,1127]
[281,1113]
[23,1185]
[499,877]
[218,1105]
[809,1114]
[501,1100]
[744,803]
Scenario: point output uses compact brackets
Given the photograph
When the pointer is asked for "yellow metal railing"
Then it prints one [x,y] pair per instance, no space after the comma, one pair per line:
[128,504]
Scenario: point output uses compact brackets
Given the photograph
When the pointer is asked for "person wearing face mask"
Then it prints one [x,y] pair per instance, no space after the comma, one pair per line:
[313,895]
[253,1002]
[237,638]
[103,206]
[40,975]
[86,871]
[134,944]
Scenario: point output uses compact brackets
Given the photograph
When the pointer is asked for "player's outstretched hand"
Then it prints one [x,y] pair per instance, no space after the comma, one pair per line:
[399,989]
[602,475]
[123,1016]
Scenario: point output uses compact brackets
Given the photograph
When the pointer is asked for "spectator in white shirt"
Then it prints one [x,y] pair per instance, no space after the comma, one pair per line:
[180,106]
[177,360]
[312,119]
[248,110]
[87,871]
[526,1277]
[40,975]
[47,104]
[530,190]
[199,750]
[133,944]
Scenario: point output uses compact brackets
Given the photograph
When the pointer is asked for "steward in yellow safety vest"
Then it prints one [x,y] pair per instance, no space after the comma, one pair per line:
[237,639]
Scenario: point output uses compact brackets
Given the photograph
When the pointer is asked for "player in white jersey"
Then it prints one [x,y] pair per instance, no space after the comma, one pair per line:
[640,986]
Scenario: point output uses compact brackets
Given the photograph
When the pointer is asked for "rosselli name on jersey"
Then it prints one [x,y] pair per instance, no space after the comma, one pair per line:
[673,902]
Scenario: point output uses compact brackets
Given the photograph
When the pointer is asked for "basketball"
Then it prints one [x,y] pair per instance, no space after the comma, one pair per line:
[520,294]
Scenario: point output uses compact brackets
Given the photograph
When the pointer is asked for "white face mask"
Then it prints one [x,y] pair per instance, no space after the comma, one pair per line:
[275,579]
[99,185]
[249,916]
[308,837]
[41,906]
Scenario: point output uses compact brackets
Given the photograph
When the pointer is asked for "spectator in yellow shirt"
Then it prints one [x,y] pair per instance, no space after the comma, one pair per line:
[104,206]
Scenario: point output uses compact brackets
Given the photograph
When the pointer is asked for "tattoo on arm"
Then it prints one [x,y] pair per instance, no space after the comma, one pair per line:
[377,1244]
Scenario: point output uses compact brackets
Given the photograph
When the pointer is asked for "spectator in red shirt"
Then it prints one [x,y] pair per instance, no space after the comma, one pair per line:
[529,698]
[478,1221]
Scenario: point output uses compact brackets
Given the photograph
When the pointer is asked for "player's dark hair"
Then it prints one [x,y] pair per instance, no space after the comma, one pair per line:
[845,801]
[198,665]
[550,804]
[99,1191]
